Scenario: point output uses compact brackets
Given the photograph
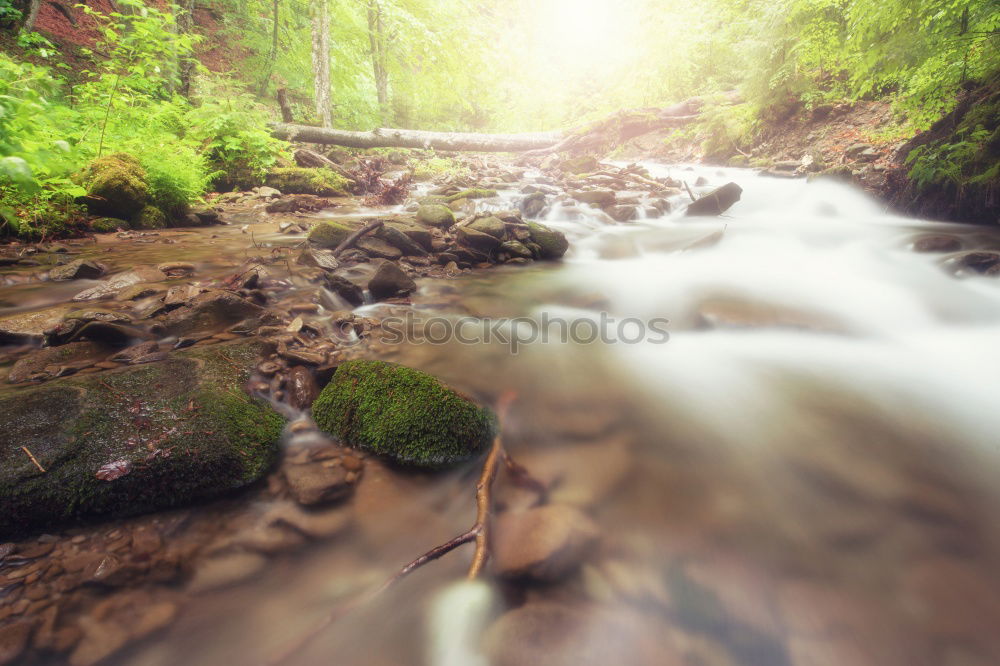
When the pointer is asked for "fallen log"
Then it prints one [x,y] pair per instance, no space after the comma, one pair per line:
[405,138]
[597,137]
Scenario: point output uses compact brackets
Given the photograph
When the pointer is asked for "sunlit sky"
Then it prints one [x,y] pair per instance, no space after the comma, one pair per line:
[578,36]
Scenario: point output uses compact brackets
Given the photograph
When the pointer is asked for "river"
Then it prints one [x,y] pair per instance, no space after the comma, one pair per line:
[801,471]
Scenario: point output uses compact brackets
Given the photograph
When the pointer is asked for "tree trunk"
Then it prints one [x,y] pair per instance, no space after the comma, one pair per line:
[185,24]
[286,108]
[313,160]
[376,38]
[269,68]
[29,23]
[404,138]
[321,60]
[596,138]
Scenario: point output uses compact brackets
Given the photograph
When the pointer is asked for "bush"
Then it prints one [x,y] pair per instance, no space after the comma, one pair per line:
[39,215]
[237,145]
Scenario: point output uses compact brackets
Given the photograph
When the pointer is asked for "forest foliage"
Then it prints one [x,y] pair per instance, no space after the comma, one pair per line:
[484,65]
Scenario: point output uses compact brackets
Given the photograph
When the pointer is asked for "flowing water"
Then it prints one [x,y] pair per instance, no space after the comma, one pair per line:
[803,473]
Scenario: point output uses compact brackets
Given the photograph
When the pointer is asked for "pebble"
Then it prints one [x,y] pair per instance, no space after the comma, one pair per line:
[556,634]
[312,484]
[225,570]
[544,543]
[13,641]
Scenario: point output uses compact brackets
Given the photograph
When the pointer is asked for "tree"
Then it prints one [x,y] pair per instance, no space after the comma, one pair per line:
[185,25]
[376,37]
[269,69]
[321,60]
[29,23]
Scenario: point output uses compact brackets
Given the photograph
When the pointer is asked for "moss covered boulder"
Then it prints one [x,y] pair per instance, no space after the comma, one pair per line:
[116,186]
[553,243]
[150,217]
[134,440]
[435,215]
[106,225]
[329,234]
[402,414]
[299,180]
[475,193]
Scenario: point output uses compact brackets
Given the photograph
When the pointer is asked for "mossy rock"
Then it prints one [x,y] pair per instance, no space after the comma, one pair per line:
[149,217]
[106,225]
[329,234]
[582,164]
[432,199]
[298,180]
[552,243]
[475,193]
[402,414]
[183,428]
[435,215]
[418,234]
[116,186]
[491,225]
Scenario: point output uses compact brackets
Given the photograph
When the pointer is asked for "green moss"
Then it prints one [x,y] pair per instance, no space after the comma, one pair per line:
[149,217]
[116,186]
[577,165]
[426,169]
[298,180]
[104,225]
[435,215]
[185,426]
[491,225]
[329,234]
[404,414]
[475,193]
[553,243]
[432,199]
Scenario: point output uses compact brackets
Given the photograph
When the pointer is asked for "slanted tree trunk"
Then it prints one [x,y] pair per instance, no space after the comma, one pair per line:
[376,38]
[29,23]
[269,68]
[313,160]
[404,138]
[321,60]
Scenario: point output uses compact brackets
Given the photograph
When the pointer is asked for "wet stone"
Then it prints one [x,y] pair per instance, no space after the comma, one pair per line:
[13,641]
[545,543]
[937,243]
[80,269]
[313,484]
[225,570]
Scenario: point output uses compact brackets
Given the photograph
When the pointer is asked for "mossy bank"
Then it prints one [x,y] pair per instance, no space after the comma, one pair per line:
[402,414]
[182,430]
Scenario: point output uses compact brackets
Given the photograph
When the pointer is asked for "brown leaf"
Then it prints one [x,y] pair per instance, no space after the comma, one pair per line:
[114,470]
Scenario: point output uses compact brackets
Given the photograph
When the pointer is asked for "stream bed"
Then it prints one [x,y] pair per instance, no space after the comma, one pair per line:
[788,450]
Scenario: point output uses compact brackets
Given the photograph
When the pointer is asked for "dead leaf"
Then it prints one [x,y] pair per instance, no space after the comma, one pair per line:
[114,470]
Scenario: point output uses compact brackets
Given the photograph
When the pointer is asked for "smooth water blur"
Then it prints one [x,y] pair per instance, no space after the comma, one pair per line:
[816,445]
